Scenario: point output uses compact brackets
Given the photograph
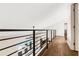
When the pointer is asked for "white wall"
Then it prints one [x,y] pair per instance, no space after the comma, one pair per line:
[27,15]
[69,29]
[59,28]
[62,16]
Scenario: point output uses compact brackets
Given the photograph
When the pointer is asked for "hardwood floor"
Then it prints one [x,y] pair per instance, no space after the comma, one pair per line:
[59,47]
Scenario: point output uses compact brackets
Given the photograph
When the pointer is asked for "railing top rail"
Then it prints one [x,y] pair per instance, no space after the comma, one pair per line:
[4,30]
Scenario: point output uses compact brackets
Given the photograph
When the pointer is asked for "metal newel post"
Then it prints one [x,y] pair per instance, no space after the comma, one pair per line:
[30,45]
[51,35]
[55,33]
[47,39]
[33,42]
[41,43]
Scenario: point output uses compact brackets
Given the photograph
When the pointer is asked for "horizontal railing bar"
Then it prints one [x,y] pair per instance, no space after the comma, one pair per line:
[13,37]
[44,38]
[35,49]
[39,36]
[38,50]
[39,39]
[2,30]
[15,51]
[18,37]
[17,44]
[14,45]
[37,44]
[28,51]
[18,50]
[32,52]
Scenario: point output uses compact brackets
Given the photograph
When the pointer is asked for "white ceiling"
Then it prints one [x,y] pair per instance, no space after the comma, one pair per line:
[28,14]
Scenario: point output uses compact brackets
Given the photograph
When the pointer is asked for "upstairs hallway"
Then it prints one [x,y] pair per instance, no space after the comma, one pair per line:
[59,47]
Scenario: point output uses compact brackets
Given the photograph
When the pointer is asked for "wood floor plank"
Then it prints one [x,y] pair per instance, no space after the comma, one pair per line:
[59,47]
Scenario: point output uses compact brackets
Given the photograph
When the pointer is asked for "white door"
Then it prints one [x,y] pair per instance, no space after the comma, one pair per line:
[74,25]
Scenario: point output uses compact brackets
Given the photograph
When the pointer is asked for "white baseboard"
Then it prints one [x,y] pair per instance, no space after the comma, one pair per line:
[59,36]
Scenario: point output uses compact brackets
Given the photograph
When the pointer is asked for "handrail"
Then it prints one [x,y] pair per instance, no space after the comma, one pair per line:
[4,30]
[18,36]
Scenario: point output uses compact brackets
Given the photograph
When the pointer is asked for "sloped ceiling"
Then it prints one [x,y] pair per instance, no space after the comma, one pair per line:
[25,15]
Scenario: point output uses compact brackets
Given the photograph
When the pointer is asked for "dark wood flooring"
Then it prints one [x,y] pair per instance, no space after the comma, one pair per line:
[59,47]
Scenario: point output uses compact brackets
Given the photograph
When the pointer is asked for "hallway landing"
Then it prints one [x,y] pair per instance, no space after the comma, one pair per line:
[59,47]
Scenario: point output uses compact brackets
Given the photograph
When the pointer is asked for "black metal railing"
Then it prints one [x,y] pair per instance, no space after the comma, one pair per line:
[38,39]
